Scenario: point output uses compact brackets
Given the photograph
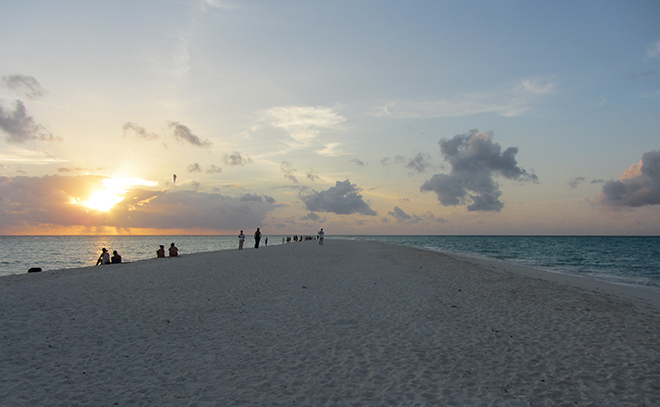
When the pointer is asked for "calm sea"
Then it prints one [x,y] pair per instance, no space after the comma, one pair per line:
[625,260]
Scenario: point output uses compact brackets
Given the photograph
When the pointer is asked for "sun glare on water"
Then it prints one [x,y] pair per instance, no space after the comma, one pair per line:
[104,199]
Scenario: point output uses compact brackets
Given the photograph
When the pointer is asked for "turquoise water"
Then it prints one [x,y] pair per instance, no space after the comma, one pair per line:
[617,259]
[627,260]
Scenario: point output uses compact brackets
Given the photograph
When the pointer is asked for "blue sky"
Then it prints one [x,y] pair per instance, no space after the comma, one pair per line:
[370,117]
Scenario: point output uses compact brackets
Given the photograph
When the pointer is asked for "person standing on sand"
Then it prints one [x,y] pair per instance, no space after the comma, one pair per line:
[257,238]
[266,241]
[241,239]
[174,251]
[321,233]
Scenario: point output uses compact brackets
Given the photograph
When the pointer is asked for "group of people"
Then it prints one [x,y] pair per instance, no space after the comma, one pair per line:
[105,258]
[257,239]
[173,250]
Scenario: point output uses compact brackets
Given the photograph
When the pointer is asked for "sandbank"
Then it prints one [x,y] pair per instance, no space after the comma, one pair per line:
[347,324]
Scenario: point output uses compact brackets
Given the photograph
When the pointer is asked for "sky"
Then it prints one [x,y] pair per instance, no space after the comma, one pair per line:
[359,117]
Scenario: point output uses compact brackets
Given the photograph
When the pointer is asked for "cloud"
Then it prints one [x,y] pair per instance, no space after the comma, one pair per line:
[431,217]
[51,200]
[506,101]
[653,51]
[475,159]
[301,123]
[194,168]
[420,163]
[183,133]
[213,169]
[26,156]
[20,127]
[310,175]
[135,130]
[575,182]
[639,185]
[399,159]
[289,171]
[331,150]
[236,158]
[24,85]
[399,214]
[313,217]
[357,162]
[344,199]
[537,87]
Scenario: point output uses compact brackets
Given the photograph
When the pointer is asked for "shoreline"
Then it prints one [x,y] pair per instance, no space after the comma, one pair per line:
[347,323]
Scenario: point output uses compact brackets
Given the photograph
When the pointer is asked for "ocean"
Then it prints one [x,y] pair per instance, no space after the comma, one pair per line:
[617,259]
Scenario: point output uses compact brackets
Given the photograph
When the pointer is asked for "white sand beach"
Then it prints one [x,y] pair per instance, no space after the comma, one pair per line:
[345,324]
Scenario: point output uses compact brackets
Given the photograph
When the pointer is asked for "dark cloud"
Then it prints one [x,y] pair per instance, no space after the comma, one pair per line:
[183,133]
[49,200]
[194,168]
[24,85]
[639,185]
[399,214]
[313,177]
[134,129]
[357,162]
[289,171]
[313,217]
[575,182]
[236,158]
[431,217]
[399,159]
[344,199]
[213,169]
[475,160]
[257,198]
[20,127]
[420,163]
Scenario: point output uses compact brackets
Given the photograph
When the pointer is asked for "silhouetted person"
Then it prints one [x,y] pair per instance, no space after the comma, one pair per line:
[161,251]
[116,258]
[257,238]
[321,233]
[174,252]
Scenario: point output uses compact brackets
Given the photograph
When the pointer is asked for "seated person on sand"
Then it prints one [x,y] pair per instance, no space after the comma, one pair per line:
[104,258]
[161,251]
[174,252]
[116,258]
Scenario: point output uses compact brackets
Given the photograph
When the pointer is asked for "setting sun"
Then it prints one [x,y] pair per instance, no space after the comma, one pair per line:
[111,193]
[102,200]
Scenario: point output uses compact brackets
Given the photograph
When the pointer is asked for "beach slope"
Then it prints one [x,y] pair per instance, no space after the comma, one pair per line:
[347,323]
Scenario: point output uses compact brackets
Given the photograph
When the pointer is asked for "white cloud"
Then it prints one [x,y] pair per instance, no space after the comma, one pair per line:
[26,156]
[653,51]
[301,123]
[507,101]
[331,150]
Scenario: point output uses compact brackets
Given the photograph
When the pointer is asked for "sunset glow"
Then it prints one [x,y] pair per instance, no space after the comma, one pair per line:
[384,118]
[102,200]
